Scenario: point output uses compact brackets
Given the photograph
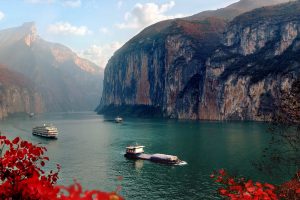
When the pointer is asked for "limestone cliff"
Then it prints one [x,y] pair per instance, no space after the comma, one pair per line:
[259,57]
[205,66]
[160,70]
[17,94]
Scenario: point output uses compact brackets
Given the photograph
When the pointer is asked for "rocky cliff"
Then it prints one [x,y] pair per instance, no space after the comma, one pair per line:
[65,81]
[188,69]
[153,71]
[17,94]
[258,58]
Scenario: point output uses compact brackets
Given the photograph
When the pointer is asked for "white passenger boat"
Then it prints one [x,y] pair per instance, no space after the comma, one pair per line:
[118,119]
[46,130]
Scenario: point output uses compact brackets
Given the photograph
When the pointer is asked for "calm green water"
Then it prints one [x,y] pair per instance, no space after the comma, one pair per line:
[90,149]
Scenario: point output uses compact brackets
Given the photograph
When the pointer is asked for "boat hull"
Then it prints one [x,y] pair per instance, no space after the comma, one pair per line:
[45,136]
[167,162]
[132,156]
[155,160]
[47,131]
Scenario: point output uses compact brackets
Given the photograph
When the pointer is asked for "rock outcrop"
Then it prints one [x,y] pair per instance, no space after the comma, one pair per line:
[65,81]
[259,57]
[153,71]
[188,69]
[17,94]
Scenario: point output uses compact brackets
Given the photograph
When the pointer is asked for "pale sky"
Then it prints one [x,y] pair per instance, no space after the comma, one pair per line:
[96,28]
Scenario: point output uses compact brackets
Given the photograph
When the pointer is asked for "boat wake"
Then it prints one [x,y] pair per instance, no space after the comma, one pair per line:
[181,163]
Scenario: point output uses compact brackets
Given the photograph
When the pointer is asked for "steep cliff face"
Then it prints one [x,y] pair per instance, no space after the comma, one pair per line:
[164,70]
[17,94]
[65,81]
[258,59]
[188,69]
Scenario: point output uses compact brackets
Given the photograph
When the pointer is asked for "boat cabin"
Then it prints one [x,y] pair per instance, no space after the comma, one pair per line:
[134,149]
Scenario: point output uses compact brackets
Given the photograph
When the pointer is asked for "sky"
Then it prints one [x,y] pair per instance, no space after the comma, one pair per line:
[94,29]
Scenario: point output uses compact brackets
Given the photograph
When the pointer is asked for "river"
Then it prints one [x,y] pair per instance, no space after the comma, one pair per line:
[90,150]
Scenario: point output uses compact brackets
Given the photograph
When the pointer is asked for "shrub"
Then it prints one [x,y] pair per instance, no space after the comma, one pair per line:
[242,189]
[22,175]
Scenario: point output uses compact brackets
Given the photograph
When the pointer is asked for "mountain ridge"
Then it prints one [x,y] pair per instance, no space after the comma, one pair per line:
[232,10]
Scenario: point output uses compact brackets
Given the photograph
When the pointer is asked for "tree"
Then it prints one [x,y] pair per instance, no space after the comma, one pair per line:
[235,188]
[282,155]
[22,176]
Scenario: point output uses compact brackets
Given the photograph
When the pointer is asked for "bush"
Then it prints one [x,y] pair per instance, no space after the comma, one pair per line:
[242,189]
[22,176]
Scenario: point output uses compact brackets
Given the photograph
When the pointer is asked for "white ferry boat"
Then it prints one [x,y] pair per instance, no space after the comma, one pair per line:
[134,151]
[46,130]
[137,152]
[118,119]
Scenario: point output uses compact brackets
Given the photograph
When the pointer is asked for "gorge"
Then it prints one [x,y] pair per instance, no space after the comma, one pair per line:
[228,64]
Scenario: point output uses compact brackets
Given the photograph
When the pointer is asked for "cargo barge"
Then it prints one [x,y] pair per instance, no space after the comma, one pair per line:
[137,152]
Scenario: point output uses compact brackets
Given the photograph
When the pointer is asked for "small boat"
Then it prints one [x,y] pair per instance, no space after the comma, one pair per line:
[46,130]
[118,119]
[134,151]
[137,152]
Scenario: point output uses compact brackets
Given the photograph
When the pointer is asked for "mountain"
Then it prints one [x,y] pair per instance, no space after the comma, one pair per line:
[65,81]
[258,59]
[236,9]
[17,94]
[180,68]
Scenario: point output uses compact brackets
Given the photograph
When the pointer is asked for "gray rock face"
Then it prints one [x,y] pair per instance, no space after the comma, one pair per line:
[65,81]
[189,69]
[163,70]
[258,59]
[17,94]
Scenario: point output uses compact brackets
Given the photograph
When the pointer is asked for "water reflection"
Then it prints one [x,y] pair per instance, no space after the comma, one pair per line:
[138,164]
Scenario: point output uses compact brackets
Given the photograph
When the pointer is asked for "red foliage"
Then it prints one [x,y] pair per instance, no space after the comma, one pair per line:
[291,189]
[22,177]
[242,189]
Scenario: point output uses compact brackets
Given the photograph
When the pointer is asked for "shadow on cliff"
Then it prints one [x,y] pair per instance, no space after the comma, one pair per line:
[143,111]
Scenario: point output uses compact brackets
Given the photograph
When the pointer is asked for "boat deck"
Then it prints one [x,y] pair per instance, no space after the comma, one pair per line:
[144,156]
[137,152]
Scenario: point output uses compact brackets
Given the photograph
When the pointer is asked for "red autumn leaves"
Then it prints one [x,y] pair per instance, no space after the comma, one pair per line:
[22,176]
[242,189]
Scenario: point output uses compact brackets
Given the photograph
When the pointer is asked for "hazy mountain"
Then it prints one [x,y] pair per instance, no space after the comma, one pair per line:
[182,68]
[65,81]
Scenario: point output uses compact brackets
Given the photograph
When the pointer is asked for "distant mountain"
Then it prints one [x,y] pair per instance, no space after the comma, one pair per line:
[236,9]
[181,68]
[17,94]
[65,81]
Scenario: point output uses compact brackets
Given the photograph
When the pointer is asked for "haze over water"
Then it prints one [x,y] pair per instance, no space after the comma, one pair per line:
[90,148]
